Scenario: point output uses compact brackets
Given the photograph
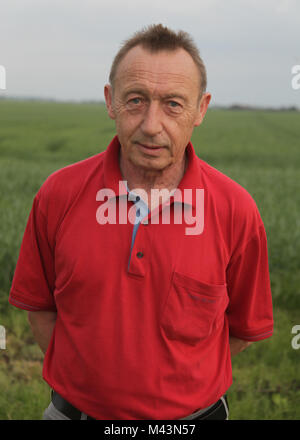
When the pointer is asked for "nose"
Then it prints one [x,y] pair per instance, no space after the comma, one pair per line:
[152,120]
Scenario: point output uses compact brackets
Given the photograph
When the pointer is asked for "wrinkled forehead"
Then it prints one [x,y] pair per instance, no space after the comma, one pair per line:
[173,68]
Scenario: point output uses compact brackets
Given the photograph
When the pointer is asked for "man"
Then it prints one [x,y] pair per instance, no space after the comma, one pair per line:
[139,321]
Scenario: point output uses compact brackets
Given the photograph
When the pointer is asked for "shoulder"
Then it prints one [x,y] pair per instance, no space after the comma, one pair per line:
[230,206]
[72,176]
[226,192]
[75,173]
[61,187]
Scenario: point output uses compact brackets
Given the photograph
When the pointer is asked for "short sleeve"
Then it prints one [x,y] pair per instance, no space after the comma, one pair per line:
[34,278]
[250,312]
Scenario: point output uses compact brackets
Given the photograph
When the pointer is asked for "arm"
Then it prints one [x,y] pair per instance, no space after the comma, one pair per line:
[42,324]
[237,345]
[250,311]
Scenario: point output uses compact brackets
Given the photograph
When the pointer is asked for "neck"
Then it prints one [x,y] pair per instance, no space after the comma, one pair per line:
[146,179]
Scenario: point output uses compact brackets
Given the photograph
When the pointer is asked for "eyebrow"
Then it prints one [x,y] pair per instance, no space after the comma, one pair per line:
[166,96]
[175,95]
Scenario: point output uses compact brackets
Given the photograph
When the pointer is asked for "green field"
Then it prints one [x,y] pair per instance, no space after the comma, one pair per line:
[260,150]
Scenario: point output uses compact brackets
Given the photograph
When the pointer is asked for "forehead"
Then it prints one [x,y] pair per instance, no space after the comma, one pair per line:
[163,70]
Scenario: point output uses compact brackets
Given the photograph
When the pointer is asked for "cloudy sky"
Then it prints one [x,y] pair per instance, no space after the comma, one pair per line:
[63,49]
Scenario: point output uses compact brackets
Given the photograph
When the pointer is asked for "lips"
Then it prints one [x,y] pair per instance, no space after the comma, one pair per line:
[150,150]
[151,147]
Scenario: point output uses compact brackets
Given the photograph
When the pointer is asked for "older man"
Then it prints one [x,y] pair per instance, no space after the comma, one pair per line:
[139,319]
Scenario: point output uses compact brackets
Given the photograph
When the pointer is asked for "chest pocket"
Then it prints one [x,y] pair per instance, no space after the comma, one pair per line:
[192,308]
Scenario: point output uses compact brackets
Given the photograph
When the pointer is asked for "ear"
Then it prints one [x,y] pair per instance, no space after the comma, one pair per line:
[108,93]
[203,105]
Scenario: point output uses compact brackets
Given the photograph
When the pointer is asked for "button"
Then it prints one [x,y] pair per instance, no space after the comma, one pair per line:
[140,254]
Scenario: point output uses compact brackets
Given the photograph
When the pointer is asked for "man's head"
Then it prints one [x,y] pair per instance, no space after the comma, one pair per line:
[157,38]
[156,96]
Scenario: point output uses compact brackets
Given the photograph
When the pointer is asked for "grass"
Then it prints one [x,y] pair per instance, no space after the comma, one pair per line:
[258,149]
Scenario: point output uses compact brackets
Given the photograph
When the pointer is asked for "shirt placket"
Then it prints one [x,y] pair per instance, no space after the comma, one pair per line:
[140,241]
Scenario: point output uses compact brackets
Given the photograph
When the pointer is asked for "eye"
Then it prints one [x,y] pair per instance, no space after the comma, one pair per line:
[135,101]
[174,106]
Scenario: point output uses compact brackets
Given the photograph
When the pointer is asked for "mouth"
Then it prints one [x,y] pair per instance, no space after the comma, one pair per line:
[150,149]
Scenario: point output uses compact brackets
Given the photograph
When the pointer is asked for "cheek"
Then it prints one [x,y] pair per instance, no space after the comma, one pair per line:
[180,133]
[124,119]
[187,125]
[180,128]
[127,128]
[126,124]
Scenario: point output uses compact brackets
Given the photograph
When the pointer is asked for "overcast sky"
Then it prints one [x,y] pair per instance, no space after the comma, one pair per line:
[63,49]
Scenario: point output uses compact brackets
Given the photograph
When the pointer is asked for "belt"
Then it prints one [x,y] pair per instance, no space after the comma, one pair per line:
[66,408]
[218,411]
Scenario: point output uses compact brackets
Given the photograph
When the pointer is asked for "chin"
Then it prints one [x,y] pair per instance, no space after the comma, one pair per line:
[151,164]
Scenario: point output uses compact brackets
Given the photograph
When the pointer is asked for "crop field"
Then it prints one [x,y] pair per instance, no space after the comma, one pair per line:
[259,149]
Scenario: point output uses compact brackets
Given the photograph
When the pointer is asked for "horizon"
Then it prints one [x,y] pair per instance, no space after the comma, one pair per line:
[232,106]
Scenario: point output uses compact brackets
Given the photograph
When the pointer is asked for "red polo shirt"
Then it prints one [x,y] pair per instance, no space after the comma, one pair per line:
[148,339]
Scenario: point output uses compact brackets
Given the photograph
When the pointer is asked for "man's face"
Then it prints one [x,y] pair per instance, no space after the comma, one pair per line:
[155,103]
